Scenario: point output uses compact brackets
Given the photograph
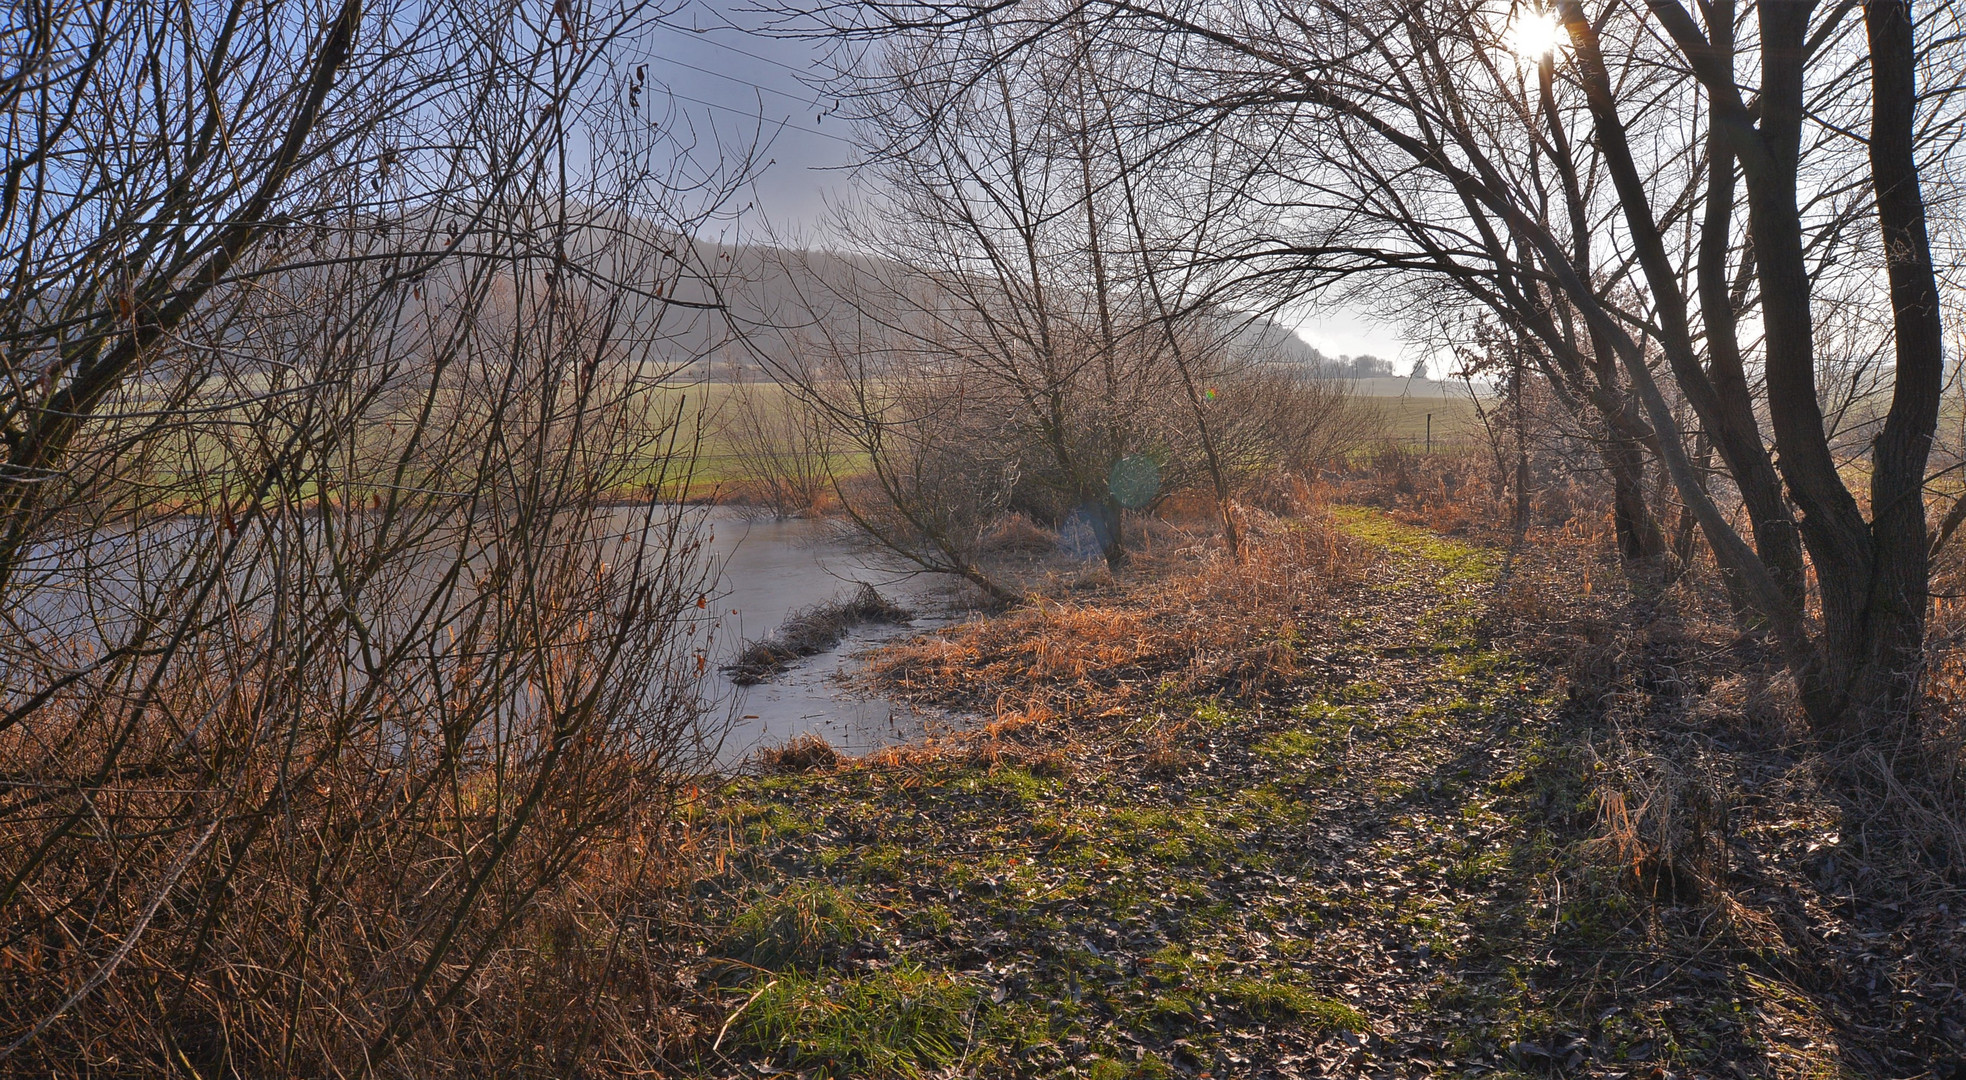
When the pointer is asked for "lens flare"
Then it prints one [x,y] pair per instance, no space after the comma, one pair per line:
[1533,35]
[1134,481]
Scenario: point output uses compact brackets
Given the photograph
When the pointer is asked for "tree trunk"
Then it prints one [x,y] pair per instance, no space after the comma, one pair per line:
[1872,575]
[1877,648]
[1112,541]
[1641,544]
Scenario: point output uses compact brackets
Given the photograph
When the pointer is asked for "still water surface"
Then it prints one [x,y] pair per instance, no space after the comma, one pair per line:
[769,569]
[766,569]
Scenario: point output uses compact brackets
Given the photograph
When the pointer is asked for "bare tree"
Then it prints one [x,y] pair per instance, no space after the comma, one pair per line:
[1582,173]
[329,335]
[787,454]
[1000,222]
[1037,308]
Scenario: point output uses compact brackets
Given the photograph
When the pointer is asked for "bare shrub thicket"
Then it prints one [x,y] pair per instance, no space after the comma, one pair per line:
[941,459]
[344,717]
[1269,418]
[944,446]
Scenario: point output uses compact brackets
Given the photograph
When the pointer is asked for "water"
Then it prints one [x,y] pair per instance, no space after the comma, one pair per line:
[769,569]
[766,570]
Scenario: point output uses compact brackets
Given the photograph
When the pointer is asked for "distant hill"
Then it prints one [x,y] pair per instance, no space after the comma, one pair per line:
[772,299]
[1266,335]
[1424,389]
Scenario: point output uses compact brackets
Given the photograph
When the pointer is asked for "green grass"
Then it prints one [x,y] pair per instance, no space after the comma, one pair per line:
[1266,999]
[1454,419]
[802,927]
[1463,564]
[901,1022]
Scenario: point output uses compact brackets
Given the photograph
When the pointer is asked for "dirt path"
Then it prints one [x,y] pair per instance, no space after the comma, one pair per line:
[1380,872]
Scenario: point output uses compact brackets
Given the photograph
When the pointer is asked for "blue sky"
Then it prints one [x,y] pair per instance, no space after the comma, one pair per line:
[746,85]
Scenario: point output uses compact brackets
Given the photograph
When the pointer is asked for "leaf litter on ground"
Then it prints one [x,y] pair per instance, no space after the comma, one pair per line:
[1339,832]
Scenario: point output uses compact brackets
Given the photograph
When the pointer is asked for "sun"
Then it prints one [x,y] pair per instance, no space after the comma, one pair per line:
[1533,35]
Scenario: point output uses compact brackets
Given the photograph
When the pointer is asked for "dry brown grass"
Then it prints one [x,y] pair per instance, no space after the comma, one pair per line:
[1191,623]
[1452,494]
[281,875]
[801,754]
[286,949]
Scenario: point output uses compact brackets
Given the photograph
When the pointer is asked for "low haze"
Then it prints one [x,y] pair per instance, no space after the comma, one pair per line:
[752,87]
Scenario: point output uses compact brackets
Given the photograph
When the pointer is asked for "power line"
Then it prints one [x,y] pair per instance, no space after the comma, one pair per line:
[815,103]
[760,117]
[703,36]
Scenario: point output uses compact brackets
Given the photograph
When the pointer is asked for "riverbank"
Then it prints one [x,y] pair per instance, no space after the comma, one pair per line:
[1235,826]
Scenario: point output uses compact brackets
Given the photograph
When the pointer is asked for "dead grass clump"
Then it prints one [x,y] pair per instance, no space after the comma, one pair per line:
[1203,624]
[1017,536]
[1188,509]
[565,959]
[1000,753]
[1169,753]
[1663,823]
[811,631]
[1909,804]
[1282,495]
[806,753]
[1017,738]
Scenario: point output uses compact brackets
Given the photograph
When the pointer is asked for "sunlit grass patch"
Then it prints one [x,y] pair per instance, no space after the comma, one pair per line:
[760,822]
[1464,564]
[802,927]
[902,1022]
[1268,999]
[1012,785]
[1191,984]
[1292,746]
[1149,1067]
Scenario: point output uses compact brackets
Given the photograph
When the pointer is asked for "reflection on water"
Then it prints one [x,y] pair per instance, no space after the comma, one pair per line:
[769,569]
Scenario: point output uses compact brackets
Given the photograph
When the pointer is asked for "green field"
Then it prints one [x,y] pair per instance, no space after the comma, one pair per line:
[1454,420]
[704,413]
[1405,418]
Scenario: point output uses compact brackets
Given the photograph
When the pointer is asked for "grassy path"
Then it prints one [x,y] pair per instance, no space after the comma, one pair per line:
[1374,873]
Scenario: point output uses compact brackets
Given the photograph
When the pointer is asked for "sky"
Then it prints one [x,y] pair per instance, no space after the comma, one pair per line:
[753,87]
